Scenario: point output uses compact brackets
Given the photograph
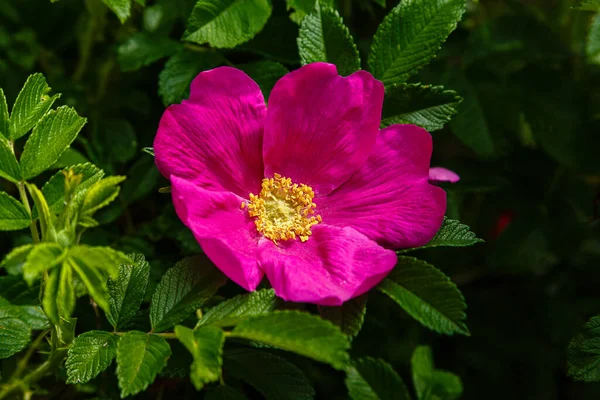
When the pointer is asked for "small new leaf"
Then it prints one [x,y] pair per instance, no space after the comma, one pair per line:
[300,333]
[50,138]
[32,103]
[235,310]
[182,290]
[324,37]
[13,262]
[59,294]
[140,357]
[374,379]
[126,293]
[101,194]
[89,354]
[206,346]
[431,383]
[428,295]
[13,215]
[583,353]
[42,257]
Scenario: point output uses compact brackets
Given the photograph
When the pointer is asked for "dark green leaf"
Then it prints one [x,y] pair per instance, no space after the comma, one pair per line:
[31,105]
[349,316]
[374,379]
[182,290]
[298,332]
[89,354]
[431,383]
[227,23]
[143,49]
[13,215]
[410,36]
[14,333]
[126,293]
[206,346]
[324,37]
[50,138]
[33,316]
[429,107]
[273,376]
[583,353]
[453,234]
[142,178]
[140,357]
[265,73]
[428,295]
[235,310]
[9,167]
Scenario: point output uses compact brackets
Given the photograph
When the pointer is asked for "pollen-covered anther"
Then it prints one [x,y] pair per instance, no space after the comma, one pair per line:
[283,210]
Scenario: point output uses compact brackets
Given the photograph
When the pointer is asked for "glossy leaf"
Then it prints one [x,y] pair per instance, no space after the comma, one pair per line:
[127,291]
[89,354]
[374,379]
[206,346]
[239,308]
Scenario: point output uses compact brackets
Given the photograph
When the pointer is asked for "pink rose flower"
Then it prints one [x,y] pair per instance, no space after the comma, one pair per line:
[307,191]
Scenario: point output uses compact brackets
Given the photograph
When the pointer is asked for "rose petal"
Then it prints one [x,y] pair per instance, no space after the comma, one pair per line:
[214,139]
[439,174]
[389,199]
[333,266]
[320,127]
[226,233]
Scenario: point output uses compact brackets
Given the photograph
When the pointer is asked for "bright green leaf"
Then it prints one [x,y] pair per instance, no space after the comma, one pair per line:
[453,234]
[374,379]
[4,119]
[430,107]
[431,383]
[126,293]
[265,73]
[42,257]
[59,294]
[122,8]
[410,36]
[140,357]
[175,79]
[301,8]
[31,105]
[324,37]
[227,23]
[14,333]
[273,376]
[349,316]
[46,217]
[13,262]
[583,353]
[101,194]
[206,346]
[182,290]
[13,215]
[9,167]
[588,5]
[428,295]
[235,310]
[143,49]
[300,333]
[50,138]
[89,354]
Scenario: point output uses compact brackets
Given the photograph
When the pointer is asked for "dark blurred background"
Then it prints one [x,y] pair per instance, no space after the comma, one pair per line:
[525,144]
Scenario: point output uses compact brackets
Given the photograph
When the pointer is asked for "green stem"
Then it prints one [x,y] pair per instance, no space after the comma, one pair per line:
[33,227]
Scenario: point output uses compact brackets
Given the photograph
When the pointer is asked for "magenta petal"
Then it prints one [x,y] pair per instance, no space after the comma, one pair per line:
[320,127]
[214,139]
[439,174]
[333,266]
[225,233]
[389,199]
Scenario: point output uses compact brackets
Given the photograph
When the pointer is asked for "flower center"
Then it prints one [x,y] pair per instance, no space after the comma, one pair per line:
[283,210]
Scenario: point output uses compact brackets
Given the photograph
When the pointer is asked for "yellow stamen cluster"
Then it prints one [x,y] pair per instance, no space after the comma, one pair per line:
[283,210]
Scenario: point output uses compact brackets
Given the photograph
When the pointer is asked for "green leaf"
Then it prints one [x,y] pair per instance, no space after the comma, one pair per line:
[13,262]
[428,295]
[298,332]
[239,308]
[430,107]
[410,36]
[50,138]
[374,379]
[122,8]
[42,257]
[452,234]
[31,105]
[89,354]
[265,73]
[143,49]
[431,383]
[14,333]
[9,167]
[54,189]
[13,215]
[592,47]
[224,393]
[206,346]
[583,353]
[59,294]
[304,7]
[4,120]
[227,23]
[273,376]
[70,158]
[126,293]
[175,79]
[101,194]
[349,316]
[140,357]
[47,219]
[588,5]
[33,316]
[182,290]
[324,37]
[92,264]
